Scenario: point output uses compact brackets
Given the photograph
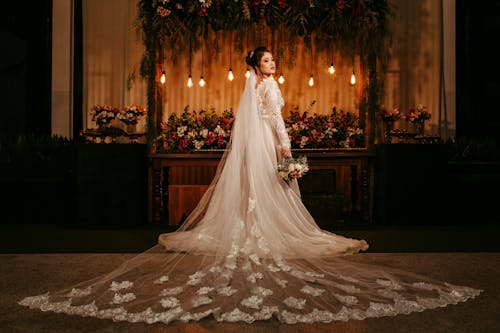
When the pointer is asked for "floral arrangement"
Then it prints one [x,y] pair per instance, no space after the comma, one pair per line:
[292,168]
[338,129]
[131,114]
[418,114]
[206,130]
[103,114]
[389,116]
[196,130]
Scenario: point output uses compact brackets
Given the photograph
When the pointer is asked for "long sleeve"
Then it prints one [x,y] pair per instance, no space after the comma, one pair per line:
[275,103]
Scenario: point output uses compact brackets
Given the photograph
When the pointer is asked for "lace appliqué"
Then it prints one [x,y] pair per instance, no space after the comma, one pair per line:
[253,302]
[261,291]
[171,291]
[269,102]
[80,292]
[254,276]
[195,278]
[116,286]
[201,300]
[122,298]
[227,291]
[296,303]
[161,280]
[204,290]
[312,291]
[169,302]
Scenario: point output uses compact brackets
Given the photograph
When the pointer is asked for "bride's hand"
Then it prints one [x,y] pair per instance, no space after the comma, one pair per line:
[286,152]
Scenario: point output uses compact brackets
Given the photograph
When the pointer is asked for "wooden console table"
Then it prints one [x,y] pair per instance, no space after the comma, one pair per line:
[176,181]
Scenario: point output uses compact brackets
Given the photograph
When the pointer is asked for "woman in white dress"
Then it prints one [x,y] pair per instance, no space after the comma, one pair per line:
[250,250]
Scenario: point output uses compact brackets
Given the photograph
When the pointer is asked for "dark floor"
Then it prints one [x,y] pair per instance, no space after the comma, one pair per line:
[45,238]
[32,274]
[38,258]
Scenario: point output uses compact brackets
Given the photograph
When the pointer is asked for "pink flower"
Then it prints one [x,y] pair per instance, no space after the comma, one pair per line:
[162,11]
[183,143]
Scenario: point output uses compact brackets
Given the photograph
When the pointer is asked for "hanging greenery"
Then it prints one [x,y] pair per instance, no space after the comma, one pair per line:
[351,27]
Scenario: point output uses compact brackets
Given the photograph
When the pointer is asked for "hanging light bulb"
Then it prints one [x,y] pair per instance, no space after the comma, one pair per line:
[311,81]
[353,79]
[190,81]
[202,82]
[247,74]
[162,78]
[281,79]
[230,75]
[331,69]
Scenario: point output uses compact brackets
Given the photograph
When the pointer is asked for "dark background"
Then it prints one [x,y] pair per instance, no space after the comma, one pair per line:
[105,185]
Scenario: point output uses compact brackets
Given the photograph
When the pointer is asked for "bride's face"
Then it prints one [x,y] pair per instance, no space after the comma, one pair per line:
[267,66]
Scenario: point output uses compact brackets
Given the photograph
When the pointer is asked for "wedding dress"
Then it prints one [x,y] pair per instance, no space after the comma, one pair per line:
[251,251]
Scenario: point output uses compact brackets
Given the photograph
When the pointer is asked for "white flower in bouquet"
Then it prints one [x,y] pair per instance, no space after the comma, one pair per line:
[198,144]
[292,168]
[181,130]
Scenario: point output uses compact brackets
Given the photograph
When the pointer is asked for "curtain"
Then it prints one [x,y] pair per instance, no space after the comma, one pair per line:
[113,49]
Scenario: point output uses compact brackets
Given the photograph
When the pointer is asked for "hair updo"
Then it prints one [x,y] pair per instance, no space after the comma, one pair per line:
[253,57]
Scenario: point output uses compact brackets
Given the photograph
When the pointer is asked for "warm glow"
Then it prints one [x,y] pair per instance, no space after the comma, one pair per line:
[230,75]
[247,74]
[281,79]
[311,81]
[202,82]
[162,78]
[190,81]
[353,78]
[331,70]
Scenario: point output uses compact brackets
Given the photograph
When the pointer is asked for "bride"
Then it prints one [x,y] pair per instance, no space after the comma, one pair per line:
[250,250]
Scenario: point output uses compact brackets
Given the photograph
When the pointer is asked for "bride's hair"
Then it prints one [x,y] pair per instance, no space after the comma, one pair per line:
[253,57]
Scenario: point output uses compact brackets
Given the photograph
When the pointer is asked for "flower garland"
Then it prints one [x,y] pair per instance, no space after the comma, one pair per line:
[206,130]
[338,129]
[196,130]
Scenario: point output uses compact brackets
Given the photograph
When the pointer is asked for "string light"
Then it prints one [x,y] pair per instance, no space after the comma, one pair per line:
[353,79]
[331,69]
[163,77]
[311,78]
[190,78]
[202,81]
[230,75]
[247,74]
[311,81]
[281,79]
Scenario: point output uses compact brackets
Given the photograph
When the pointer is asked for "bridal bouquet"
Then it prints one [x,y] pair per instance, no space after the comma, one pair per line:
[292,168]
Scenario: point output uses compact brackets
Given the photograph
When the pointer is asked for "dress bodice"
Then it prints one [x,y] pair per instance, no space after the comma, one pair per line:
[269,103]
